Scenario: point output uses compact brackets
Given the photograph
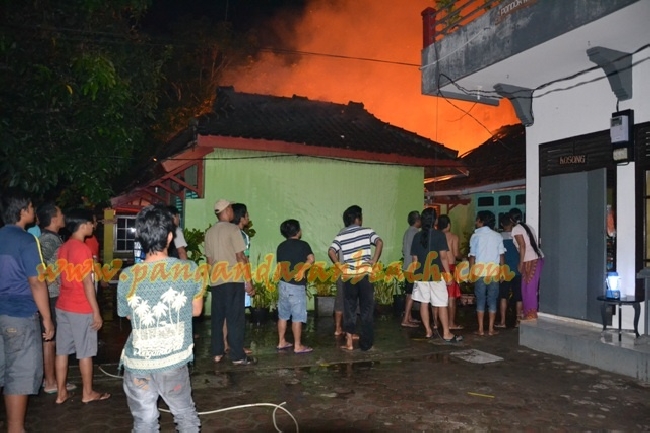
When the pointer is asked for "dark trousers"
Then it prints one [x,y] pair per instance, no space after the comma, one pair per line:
[362,293]
[228,304]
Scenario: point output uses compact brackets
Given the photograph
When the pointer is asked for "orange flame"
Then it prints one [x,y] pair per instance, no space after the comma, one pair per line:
[378,29]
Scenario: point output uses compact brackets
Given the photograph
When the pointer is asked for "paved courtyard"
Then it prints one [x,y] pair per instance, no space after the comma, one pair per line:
[405,384]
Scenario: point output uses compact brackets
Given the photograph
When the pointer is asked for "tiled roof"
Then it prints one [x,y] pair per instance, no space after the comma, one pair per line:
[295,120]
[313,123]
[501,158]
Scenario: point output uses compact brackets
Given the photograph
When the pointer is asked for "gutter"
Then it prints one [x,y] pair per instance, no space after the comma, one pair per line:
[500,186]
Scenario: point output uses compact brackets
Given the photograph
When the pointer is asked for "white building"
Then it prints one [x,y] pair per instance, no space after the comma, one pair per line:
[567,67]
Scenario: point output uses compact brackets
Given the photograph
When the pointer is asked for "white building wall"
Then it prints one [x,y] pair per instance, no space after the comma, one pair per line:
[563,111]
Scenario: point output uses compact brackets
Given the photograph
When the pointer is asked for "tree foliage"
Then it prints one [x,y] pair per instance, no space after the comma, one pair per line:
[87,95]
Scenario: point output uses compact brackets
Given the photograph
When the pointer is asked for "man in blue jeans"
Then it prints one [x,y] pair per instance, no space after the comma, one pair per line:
[160,301]
[486,255]
[355,243]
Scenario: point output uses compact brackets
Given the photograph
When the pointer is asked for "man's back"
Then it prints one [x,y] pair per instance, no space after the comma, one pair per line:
[19,259]
[161,313]
[222,243]
[354,241]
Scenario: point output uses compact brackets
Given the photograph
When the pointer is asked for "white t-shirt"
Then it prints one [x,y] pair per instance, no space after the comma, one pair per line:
[179,239]
[530,253]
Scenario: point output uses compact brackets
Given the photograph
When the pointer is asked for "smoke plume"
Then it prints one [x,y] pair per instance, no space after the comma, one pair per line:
[386,30]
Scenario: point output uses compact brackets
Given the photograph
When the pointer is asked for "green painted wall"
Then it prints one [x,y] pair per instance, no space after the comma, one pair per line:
[315,191]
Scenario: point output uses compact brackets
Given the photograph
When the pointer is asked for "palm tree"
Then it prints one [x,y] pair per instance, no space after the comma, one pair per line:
[179,302]
[159,310]
[142,310]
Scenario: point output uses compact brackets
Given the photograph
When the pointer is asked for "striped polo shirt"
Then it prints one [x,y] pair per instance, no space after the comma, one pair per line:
[354,242]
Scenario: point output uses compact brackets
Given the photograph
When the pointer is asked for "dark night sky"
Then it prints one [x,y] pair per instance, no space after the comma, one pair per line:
[243,14]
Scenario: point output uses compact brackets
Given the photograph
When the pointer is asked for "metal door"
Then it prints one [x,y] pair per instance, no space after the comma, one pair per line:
[572,236]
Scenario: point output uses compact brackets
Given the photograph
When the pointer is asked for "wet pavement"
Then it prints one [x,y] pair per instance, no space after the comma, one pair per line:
[405,384]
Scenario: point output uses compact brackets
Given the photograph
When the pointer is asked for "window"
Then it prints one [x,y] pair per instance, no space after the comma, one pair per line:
[485,201]
[124,234]
[504,200]
[520,199]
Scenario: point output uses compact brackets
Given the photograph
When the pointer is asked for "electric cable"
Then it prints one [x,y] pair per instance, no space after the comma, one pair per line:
[243,406]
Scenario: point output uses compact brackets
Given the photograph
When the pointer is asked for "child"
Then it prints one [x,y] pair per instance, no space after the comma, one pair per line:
[77,313]
[292,256]
[157,352]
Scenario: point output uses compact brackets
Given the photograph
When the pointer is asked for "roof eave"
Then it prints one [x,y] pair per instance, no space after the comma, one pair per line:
[240,143]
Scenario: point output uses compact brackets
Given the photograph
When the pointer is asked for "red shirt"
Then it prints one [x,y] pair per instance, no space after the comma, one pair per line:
[78,262]
[93,244]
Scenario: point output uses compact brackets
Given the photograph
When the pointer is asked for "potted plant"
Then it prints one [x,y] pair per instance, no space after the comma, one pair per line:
[324,292]
[386,282]
[265,298]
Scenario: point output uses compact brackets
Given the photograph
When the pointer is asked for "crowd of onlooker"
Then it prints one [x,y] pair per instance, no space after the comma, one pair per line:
[47,316]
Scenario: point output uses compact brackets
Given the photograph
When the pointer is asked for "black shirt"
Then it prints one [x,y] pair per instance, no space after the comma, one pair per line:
[437,242]
[291,253]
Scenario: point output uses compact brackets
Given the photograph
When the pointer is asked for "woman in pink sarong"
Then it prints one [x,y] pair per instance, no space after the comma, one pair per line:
[530,266]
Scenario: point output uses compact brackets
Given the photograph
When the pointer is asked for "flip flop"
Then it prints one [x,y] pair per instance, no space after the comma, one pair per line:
[493,333]
[68,398]
[454,339]
[456,328]
[498,325]
[410,325]
[288,346]
[346,348]
[103,396]
[217,359]
[303,350]
[68,387]
[481,334]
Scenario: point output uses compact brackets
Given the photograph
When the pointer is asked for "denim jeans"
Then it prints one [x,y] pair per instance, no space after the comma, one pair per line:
[489,290]
[142,392]
[362,293]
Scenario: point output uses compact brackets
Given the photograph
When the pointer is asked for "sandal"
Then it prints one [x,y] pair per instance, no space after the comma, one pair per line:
[249,360]
[454,339]
[498,325]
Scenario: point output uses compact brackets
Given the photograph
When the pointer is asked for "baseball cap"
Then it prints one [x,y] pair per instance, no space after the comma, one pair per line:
[221,204]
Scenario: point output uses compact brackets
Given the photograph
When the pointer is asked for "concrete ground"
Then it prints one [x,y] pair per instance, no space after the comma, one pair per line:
[406,383]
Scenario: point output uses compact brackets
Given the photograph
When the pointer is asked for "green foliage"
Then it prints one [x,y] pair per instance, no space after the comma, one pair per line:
[87,97]
[266,294]
[195,239]
[78,93]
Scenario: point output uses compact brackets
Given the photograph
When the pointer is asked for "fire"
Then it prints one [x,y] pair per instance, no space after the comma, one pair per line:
[373,29]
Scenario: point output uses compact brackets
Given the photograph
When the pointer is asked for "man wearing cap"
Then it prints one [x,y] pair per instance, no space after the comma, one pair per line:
[230,279]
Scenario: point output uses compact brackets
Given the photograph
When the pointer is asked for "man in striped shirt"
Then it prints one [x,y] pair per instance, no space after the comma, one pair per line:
[354,242]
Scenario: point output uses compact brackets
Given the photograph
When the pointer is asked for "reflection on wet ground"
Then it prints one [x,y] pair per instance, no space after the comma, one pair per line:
[406,383]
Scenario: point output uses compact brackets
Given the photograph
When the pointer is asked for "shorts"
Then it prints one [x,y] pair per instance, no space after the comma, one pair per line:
[52,313]
[431,292]
[292,302]
[74,334]
[514,285]
[486,293]
[408,287]
[21,355]
[454,288]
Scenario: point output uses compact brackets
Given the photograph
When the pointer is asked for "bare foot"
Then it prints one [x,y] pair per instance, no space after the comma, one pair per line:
[481,333]
[355,336]
[62,398]
[96,396]
[493,332]
[349,348]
